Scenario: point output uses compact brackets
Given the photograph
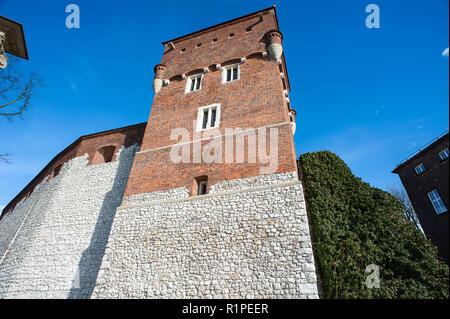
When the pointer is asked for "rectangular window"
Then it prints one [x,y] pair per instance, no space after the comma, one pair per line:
[208,117]
[231,73]
[194,83]
[213,117]
[202,188]
[205,119]
[443,154]
[437,202]
[419,169]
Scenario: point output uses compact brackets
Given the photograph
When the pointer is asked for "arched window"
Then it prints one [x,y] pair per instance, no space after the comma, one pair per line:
[104,154]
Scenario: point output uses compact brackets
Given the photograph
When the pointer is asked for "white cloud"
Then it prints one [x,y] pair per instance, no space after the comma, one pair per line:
[445,53]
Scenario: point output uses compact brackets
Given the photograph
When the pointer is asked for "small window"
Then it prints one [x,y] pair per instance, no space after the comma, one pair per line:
[231,73]
[419,169]
[231,34]
[248,29]
[194,83]
[437,202]
[57,170]
[200,185]
[443,154]
[183,50]
[208,117]
[199,45]
[202,188]
[214,40]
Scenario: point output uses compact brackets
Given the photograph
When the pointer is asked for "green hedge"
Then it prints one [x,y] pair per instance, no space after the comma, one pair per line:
[354,225]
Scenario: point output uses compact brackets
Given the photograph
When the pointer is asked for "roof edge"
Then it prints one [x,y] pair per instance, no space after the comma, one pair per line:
[235,20]
[420,151]
[56,158]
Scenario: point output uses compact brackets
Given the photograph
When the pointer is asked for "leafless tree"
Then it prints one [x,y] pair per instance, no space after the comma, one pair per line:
[17,91]
[408,211]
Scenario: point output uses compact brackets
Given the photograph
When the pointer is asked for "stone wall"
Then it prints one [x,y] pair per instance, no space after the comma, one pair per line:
[248,238]
[52,243]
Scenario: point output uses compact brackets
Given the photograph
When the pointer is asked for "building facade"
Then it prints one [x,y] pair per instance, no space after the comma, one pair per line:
[425,177]
[205,203]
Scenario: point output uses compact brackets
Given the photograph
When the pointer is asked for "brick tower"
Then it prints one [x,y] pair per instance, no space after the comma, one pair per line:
[213,206]
[236,70]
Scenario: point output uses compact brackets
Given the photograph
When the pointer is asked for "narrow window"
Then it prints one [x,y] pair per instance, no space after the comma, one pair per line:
[419,169]
[213,117]
[205,119]
[443,154]
[437,202]
[202,188]
[235,73]
[228,75]
[198,81]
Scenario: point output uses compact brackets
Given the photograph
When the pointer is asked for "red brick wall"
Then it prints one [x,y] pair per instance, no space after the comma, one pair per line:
[253,101]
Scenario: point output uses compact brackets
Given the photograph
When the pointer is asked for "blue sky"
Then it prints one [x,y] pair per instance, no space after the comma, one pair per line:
[373,96]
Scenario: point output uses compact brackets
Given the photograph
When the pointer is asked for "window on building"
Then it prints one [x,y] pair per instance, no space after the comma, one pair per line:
[202,188]
[443,154]
[437,202]
[208,117]
[419,169]
[231,73]
[200,185]
[194,83]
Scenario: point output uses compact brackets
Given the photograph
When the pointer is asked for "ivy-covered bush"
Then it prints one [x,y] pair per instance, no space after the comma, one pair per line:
[355,225]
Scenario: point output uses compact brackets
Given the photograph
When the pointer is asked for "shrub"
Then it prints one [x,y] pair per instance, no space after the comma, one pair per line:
[354,225]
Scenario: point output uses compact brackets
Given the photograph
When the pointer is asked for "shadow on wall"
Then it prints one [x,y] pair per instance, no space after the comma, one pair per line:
[91,259]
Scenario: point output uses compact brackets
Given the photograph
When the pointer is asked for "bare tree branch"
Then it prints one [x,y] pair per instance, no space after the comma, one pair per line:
[17,91]
[408,210]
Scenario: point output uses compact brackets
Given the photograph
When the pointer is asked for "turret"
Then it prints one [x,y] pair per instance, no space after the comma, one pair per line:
[273,40]
[159,74]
